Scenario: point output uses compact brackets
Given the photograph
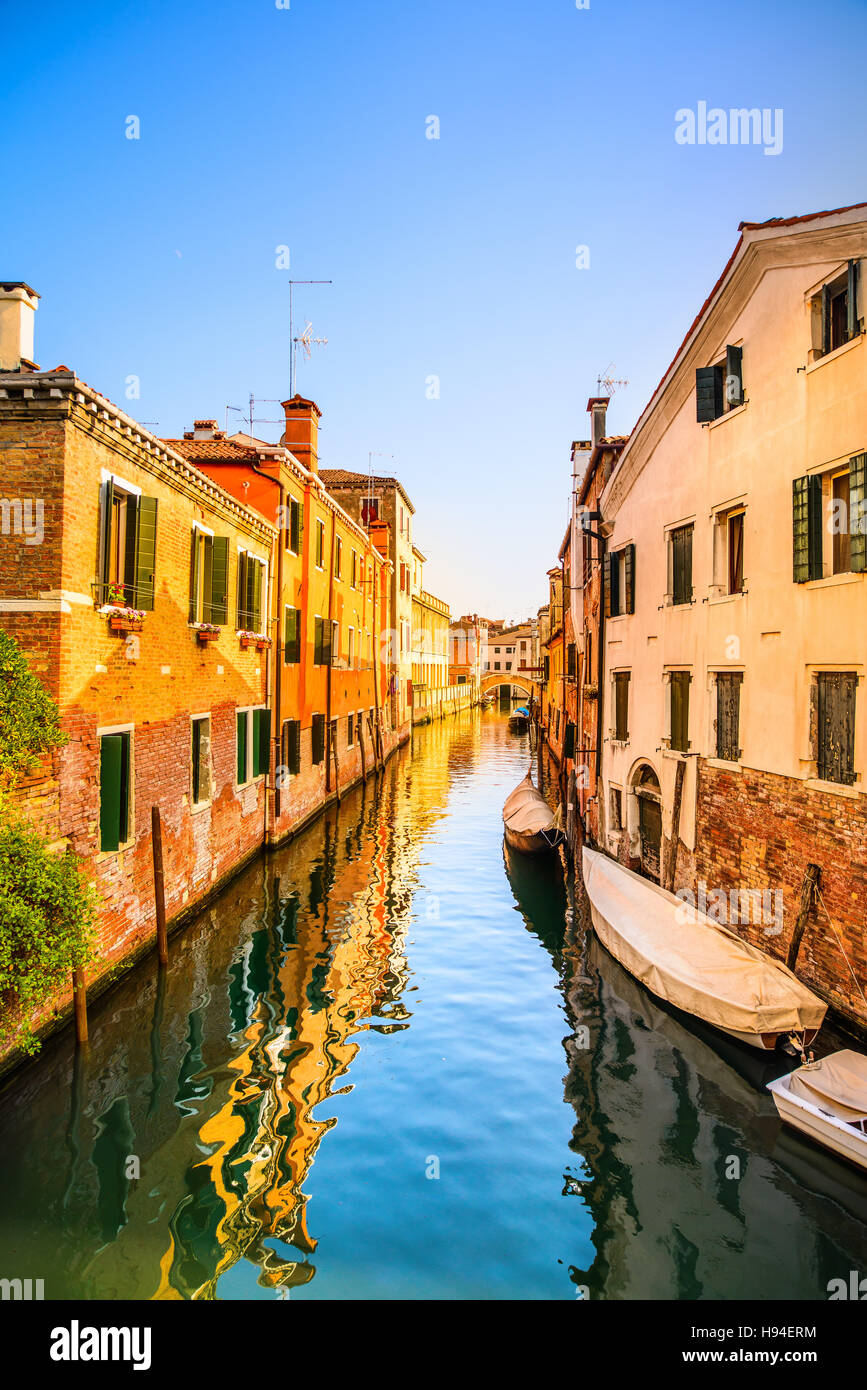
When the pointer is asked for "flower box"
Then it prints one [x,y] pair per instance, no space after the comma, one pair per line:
[262,644]
[254,639]
[126,622]
[246,639]
[207,634]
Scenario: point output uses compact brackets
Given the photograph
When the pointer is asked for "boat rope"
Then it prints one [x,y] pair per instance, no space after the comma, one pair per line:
[842,947]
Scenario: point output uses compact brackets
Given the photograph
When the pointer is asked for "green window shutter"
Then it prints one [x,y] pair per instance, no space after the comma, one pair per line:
[194,575]
[318,737]
[242,589]
[728,696]
[292,636]
[680,710]
[708,402]
[294,763]
[295,525]
[197,760]
[826,319]
[107,510]
[112,816]
[629,579]
[256,572]
[569,741]
[241,744]
[607,568]
[852,301]
[317,642]
[145,553]
[220,580]
[261,741]
[814,493]
[858,513]
[734,383]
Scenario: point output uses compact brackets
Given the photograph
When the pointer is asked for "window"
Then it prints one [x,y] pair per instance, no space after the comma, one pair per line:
[353,569]
[335,643]
[680,564]
[571,661]
[318,738]
[833,696]
[735,551]
[679,709]
[114,790]
[251,582]
[252,744]
[292,525]
[829,522]
[621,706]
[128,547]
[615,801]
[721,387]
[835,316]
[290,745]
[620,581]
[496,665]
[369,510]
[200,757]
[728,715]
[350,648]
[321,642]
[291,636]
[350,730]
[209,577]
[320,545]
[338,558]
[569,741]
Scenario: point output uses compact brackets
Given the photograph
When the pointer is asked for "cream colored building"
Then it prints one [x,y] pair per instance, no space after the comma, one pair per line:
[743,660]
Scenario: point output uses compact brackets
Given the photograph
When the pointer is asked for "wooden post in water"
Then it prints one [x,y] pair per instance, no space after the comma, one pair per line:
[79,1006]
[809,887]
[671,866]
[159,885]
[361,746]
[333,735]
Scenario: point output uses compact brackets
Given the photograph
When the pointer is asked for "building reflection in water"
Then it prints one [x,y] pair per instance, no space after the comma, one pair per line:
[213,1076]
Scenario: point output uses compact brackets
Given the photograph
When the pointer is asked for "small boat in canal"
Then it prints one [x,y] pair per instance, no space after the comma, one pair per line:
[519,721]
[827,1101]
[701,967]
[529,822]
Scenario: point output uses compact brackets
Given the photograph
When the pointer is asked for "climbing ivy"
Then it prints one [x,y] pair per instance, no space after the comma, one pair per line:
[47,907]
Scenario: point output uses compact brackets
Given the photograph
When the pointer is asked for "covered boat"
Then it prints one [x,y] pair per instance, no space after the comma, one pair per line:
[827,1101]
[683,956]
[529,822]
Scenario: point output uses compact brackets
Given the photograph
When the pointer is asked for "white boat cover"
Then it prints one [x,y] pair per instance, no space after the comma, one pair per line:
[697,965]
[837,1083]
[526,811]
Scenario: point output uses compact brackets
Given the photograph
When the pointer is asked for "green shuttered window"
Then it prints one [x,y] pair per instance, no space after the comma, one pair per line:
[679,684]
[806,529]
[114,785]
[318,737]
[241,746]
[290,745]
[128,547]
[292,636]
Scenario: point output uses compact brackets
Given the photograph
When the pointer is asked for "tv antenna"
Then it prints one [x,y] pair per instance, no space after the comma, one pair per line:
[305,339]
[606,380]
[371,455]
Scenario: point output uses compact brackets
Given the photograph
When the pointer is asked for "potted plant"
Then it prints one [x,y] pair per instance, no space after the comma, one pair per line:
[206,632]
[126,619]
[262,642]
[116,595]
[247,639]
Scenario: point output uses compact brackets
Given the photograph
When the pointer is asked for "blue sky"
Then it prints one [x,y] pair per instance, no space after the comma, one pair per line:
[455,258]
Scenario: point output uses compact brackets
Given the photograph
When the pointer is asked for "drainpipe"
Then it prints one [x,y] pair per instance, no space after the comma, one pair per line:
[328,749]
[275,712]
[600,658]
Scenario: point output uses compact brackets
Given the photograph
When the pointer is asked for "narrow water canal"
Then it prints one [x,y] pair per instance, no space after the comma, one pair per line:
[389,1063]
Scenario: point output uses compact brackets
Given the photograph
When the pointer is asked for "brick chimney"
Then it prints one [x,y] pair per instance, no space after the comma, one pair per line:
[17,312]
[597,406]
[302,431]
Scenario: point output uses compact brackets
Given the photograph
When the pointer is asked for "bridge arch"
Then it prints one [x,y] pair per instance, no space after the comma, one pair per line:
[491,680]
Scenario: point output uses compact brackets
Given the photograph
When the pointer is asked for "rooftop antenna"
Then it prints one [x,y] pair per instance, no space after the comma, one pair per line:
[293,341]
[608,381]
[371,455]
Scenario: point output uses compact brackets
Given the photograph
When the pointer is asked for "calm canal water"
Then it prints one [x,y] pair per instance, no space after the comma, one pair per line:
[392,1063]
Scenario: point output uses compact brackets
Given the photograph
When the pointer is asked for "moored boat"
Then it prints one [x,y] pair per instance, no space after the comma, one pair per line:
[528,820]
[701,967]
[827,1101]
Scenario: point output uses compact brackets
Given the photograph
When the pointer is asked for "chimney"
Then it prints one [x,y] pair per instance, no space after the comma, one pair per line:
[302,431]
[597,406]
[17,310]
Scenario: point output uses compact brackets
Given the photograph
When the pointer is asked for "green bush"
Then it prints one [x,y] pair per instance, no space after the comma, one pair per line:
[47,906]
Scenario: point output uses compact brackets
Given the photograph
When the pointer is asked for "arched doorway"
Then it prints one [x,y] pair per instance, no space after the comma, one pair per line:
[648,799]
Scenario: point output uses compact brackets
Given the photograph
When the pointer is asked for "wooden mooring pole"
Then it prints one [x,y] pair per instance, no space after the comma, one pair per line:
[809,888]
[79,1005]
[159,885]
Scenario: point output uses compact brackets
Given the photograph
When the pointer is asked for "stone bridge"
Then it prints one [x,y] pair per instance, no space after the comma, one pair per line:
[523,680]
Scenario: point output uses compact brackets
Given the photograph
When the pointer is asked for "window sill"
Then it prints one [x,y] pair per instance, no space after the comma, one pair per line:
[723,765]
[714,599]
[618,742]
[832,356]
[816,784]
[197,806]
[828,581]
[726,415]
[113,853]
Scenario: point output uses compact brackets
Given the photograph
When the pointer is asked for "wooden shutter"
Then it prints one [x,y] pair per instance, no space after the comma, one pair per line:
[257,570]
[295,525]
[292,637]
[826,319]
[241,746]
[145,553]
[806,529]
[294,763]
[318,737]
[243,615]
[629,579]
[105,538]
[680,710]
[197,760]
[130,549]
[728,696]
[836,726]
[708,404]
[194,576]
[569,741]
[113,790]
[621,705]
[852,301]
[858,513]
[734,376]
[219,594]
[261,741]
[607,570]
[681,542]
